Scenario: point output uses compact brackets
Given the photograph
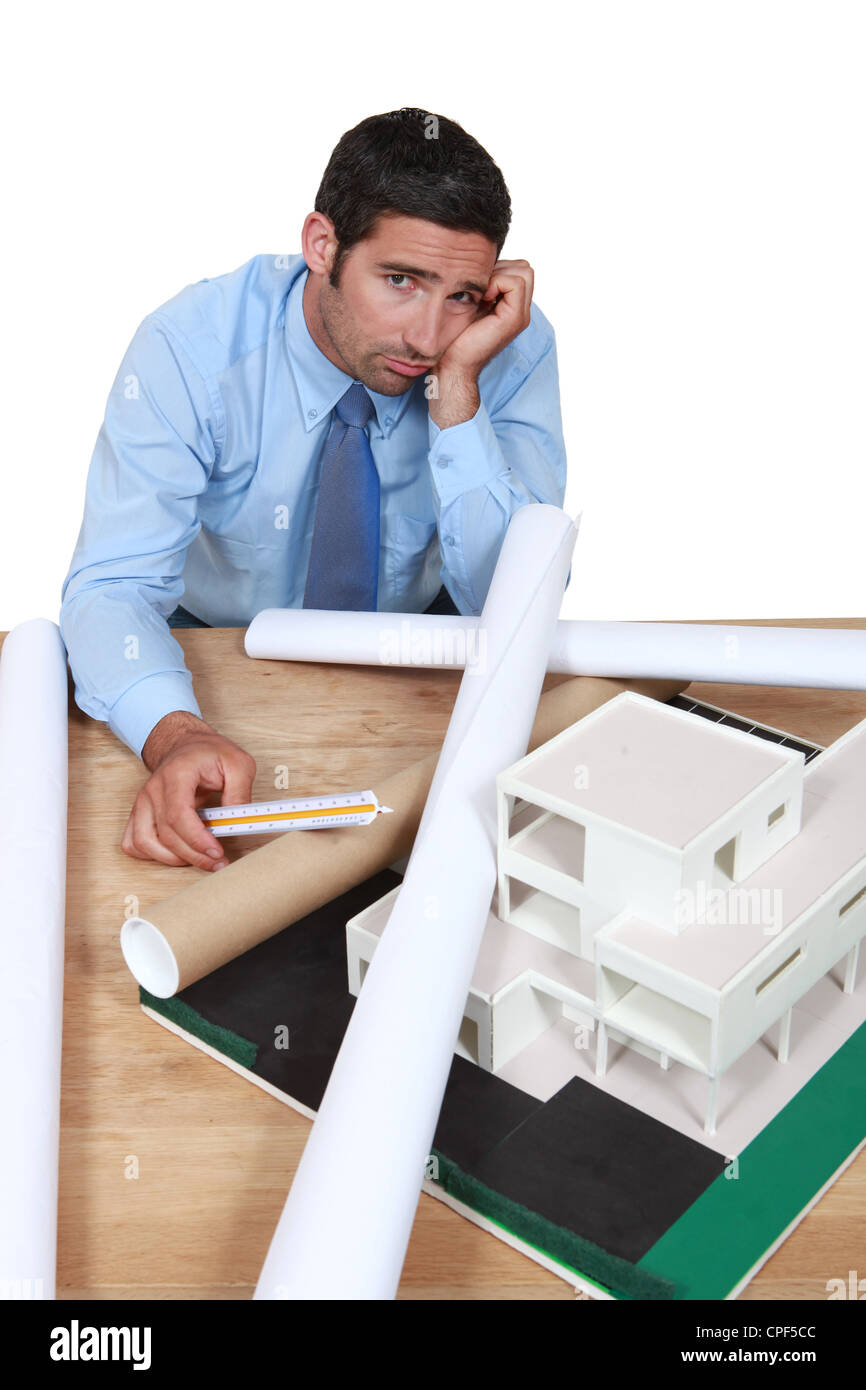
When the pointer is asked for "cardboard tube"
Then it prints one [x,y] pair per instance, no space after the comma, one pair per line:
[225,914]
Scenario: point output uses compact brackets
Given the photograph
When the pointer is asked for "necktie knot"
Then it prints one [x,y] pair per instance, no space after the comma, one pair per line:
[355,407]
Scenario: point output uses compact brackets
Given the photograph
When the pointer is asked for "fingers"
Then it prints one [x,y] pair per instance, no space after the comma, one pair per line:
[512,284]
[513,273]
[178,825]
[140,839]
[165,824]
[503,312]
[516,281]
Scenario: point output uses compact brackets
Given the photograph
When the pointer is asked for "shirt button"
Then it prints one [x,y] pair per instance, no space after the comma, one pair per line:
[312,414]
[449,540]
[442,463]
[388,420]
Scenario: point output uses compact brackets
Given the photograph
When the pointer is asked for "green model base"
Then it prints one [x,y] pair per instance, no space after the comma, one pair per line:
[723,1235]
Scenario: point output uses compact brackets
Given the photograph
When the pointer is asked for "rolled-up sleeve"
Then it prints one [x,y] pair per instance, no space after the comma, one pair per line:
[153,458]
[485,468]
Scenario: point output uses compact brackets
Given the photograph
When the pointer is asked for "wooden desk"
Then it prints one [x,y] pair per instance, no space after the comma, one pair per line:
[214,1154]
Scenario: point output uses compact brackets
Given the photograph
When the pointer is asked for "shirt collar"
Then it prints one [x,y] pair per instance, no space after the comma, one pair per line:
[319,381]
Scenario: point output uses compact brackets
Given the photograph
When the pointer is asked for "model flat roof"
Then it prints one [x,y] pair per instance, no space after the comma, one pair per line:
[831,842]
[653,769]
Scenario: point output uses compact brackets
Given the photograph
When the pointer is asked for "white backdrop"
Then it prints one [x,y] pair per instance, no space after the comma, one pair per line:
[687,180]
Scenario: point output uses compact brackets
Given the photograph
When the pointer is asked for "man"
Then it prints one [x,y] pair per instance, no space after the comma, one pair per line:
[352,427]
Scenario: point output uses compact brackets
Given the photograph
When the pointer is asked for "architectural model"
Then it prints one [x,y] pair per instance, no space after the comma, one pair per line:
[666,884]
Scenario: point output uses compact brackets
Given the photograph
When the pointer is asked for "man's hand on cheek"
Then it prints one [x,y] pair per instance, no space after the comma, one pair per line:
[504,314]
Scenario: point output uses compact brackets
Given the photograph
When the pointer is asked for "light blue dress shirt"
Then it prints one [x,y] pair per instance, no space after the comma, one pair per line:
[204,479]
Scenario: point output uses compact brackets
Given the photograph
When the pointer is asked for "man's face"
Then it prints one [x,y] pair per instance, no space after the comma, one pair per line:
[403,295]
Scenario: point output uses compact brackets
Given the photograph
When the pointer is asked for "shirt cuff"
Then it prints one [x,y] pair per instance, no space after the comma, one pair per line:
[140,708]
[464,456]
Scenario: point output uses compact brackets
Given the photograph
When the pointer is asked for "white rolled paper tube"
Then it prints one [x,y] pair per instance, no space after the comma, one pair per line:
[347,1220]
[828,658]
[33,794]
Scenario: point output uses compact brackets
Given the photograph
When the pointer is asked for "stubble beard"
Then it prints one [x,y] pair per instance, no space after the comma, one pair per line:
[346,341]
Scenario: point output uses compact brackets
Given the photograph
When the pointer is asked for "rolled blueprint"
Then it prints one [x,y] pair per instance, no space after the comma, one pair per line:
[33,789]
[828,658]
[346,1223]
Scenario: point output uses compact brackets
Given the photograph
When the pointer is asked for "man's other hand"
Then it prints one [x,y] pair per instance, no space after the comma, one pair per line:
[503,313]
[188,762]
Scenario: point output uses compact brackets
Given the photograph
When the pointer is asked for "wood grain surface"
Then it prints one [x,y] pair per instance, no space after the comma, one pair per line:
[214,1155]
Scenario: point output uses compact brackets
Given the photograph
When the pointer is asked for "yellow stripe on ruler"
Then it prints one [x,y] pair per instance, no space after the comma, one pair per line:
[293,815]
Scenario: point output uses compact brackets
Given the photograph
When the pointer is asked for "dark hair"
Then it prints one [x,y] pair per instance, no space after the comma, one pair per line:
[414,163]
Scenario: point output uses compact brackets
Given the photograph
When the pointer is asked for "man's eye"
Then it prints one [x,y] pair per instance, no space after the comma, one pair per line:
[394,276]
